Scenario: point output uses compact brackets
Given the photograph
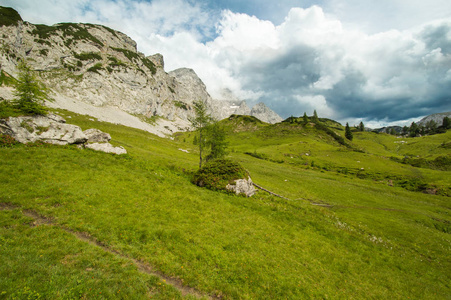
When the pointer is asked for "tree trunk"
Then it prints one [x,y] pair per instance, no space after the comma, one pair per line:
[200,148]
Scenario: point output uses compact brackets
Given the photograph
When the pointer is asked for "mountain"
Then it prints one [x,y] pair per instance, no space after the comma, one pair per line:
[389,129]
[227,106]
[95,70]
[437,118]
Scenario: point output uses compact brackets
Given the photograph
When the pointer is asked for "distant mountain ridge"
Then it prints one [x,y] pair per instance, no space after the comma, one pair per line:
[437,118]
[92,67]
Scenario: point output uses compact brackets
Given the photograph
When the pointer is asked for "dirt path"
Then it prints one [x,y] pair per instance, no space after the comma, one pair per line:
[141,265]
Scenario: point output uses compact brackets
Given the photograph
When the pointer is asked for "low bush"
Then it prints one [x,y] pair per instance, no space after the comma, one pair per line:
[7,141]
[216,174]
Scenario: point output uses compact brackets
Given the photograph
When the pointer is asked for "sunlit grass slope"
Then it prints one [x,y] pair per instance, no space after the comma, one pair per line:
[375,241]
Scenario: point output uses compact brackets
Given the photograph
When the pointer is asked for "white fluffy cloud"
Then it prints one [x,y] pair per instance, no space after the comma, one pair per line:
[390,76]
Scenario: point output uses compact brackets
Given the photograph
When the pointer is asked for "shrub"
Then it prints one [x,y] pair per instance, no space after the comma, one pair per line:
[179,104]
[216,174]
[7,141]
[95,68]
[88,56]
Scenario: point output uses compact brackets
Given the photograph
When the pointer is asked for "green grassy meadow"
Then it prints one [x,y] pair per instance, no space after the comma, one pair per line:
[382,234]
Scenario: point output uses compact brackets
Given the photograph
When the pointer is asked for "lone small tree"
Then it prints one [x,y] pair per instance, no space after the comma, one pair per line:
[200,121]
[216,140]
[315,117]
[305,118]
[361,126]
[446,123]
[211,133]
[414,130]
[30,92]
[348,132]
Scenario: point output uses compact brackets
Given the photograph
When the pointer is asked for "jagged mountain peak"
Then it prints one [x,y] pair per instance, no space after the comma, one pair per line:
[264,113]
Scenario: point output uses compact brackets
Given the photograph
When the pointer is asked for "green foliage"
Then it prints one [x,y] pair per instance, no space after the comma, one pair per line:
[446,124]
[88,56]
[315,117]
[305,119]
[200,121]
[43,52]
[442,162]
[136,58]
[70,31]
[96,68]
[361,127]
[181,105]
[30,92]
[337,137]
[414,130]
[264,157]
[7,140]
[116,62]
[8,109]
[216,140]
[348,132]
[9,16]
[6,79]
[43,42]
[245,119]
[217,174]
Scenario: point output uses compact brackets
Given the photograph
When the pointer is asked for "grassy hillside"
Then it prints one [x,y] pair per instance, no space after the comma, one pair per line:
[83,224]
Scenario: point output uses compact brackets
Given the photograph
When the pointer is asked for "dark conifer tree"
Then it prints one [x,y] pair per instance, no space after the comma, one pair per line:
[348,132]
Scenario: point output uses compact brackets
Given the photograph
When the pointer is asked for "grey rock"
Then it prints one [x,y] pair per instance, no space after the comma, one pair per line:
[97,136]
[265,114]
[437,118]
[33,128]
[242,186]
[106,147]
[157,59]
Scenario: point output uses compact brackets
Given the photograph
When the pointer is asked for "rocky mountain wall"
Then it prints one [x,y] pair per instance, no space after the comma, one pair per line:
[98,66]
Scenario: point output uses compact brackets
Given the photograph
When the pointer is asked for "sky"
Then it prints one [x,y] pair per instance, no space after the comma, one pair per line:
[385,62]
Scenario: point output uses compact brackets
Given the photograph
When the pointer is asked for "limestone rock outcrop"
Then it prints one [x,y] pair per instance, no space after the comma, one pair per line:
[97,136]
[106,147]
[242,186]
[54,130]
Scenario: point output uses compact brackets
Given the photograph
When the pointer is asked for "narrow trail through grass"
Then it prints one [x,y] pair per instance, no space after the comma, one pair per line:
[142,266]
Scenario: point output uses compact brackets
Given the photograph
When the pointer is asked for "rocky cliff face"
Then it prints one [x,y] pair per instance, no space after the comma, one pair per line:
[437,118]
[93,65]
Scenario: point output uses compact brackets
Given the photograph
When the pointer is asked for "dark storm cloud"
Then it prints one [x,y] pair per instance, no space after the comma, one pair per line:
[292,70]
[437,37]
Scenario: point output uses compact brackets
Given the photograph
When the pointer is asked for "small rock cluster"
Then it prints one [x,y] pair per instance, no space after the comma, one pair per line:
[54,130]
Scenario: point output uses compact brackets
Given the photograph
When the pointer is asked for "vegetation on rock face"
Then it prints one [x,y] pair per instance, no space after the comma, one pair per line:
[6,79]
[9,16]
[70,31]
[217,174]
[136,58]
[88,56]
[96,68]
